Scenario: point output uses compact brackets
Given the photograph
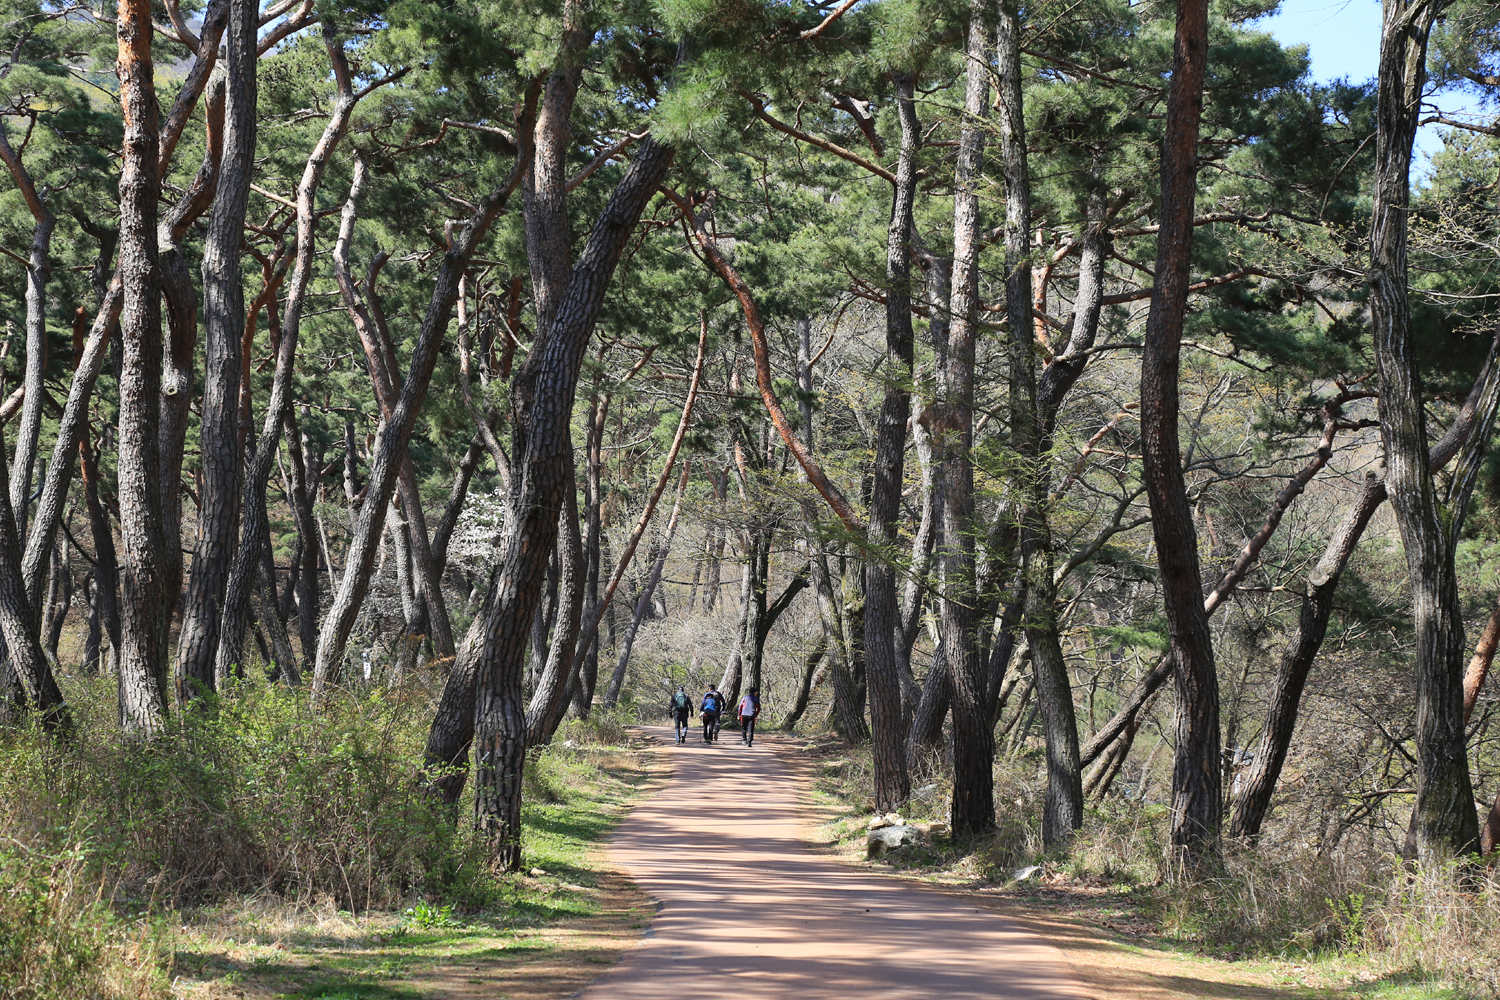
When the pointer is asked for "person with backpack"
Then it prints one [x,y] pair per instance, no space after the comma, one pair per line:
[680,708]
[712,708]
[748,710]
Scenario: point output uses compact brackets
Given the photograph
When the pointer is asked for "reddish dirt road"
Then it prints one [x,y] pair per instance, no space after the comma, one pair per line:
[748,912]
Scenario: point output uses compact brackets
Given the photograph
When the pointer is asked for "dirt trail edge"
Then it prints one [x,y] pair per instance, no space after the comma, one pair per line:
[747,910]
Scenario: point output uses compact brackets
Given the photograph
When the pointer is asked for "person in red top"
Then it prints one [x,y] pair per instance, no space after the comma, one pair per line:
[748,710]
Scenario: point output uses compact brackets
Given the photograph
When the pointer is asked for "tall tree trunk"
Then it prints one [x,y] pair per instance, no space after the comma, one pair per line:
[882,612]
[224,323]
[143,621]
[1196,783]
[973,808]
[253,525]
[182,337]
[1063,810]
[541,419]
[1444,822]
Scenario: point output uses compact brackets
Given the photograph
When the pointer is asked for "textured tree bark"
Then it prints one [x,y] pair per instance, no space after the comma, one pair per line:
[59,599]
[643,602]
[20,626]
[882,613]
[1063,810]
[181,304]
[973,808]
[542,404]
[224,322]
[1444,822]
[390,444]
[38,272]
[1196,797]
[143,621]
[253,526]
[550,699]
[72,432]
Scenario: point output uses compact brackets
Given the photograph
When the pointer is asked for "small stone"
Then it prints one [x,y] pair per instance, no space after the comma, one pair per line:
[888,838]
[536,873]
[1029,872]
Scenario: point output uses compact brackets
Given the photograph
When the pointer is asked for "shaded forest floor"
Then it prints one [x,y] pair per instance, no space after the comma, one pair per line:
[1120,931]
[562,922]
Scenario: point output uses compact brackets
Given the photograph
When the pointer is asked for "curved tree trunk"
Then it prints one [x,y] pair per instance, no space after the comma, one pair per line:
[542,406]
[1196,781]
[254,522]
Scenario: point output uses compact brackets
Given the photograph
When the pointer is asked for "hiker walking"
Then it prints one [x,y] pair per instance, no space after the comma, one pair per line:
[748,710]
[680,708]
[713,707]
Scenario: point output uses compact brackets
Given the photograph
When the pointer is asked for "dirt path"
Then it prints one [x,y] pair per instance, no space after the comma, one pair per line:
[747,911]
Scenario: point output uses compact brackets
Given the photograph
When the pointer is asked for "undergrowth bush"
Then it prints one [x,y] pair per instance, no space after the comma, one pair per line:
[61,940]
[254,793]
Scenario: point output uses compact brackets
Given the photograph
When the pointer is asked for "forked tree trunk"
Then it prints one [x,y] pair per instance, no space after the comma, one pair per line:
[1063,809]
[1196,781]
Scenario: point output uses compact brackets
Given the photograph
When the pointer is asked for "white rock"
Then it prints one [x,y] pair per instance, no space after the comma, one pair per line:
[883,839]
[1022,874]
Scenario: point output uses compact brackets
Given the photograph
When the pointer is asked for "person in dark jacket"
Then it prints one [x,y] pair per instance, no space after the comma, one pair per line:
[712,707]
[680,708]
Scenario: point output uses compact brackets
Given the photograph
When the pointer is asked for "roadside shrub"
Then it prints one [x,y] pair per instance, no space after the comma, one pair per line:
[60,940]
[253,793]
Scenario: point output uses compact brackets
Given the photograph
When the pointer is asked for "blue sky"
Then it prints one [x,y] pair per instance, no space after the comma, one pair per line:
[1343,39]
